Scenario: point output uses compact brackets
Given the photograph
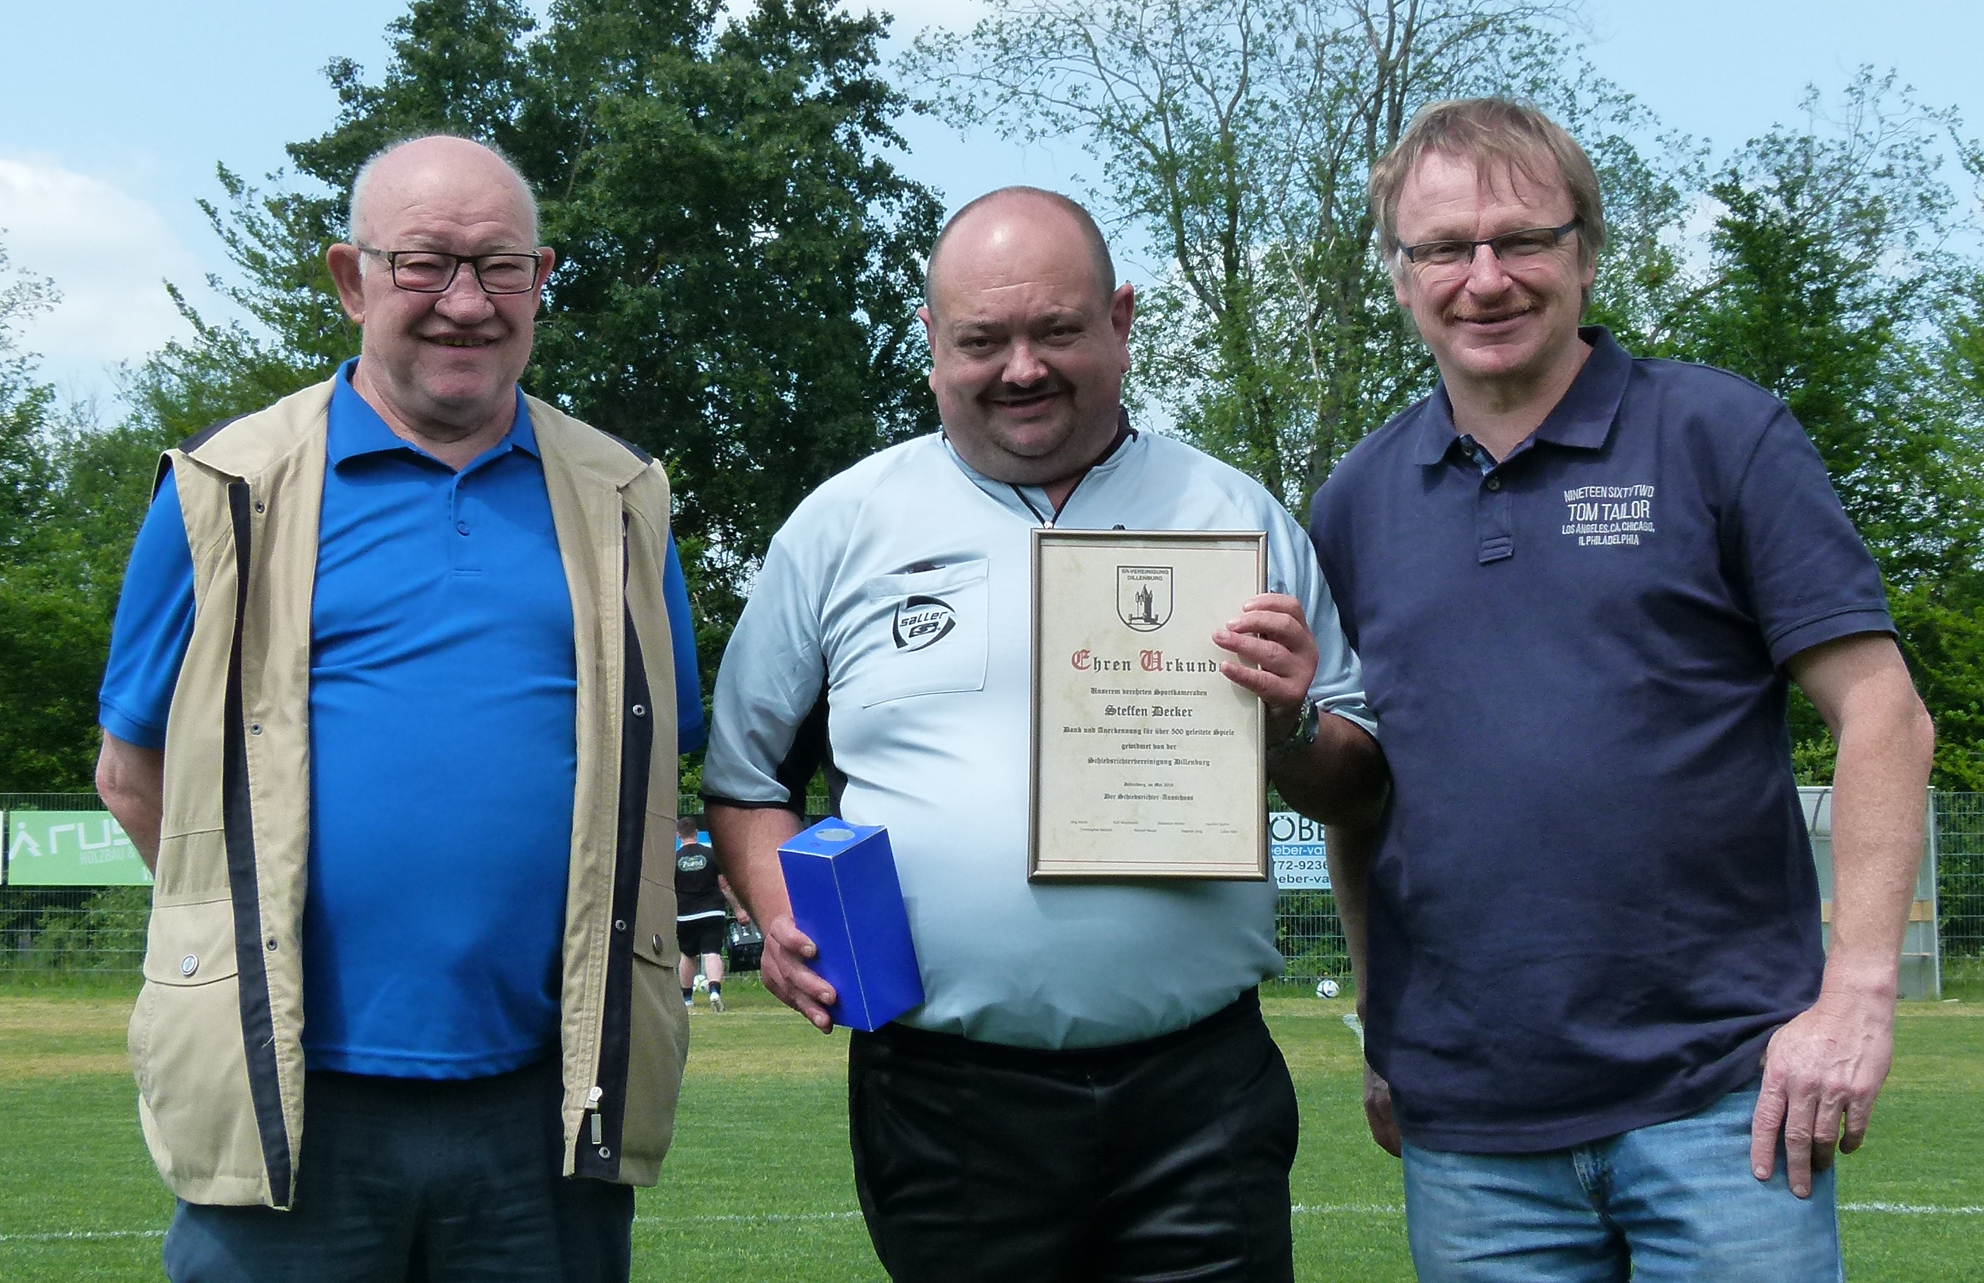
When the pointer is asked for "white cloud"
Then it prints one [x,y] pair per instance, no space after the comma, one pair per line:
[109,255]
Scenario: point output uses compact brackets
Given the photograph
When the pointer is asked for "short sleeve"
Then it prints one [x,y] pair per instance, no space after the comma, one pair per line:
[689,726]
[773,672]
[1338,687]
[154,623]
[1805,569]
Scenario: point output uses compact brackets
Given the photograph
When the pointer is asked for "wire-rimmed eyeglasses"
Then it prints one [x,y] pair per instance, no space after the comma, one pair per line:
[423,271]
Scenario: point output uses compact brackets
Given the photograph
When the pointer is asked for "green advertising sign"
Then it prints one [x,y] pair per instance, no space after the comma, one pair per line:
[71,849]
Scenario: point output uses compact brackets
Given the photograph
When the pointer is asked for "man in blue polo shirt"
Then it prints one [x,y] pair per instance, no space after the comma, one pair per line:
[1597,1007]
[448,728]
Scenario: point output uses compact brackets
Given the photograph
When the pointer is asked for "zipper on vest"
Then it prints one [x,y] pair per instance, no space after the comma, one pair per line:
[592,1111]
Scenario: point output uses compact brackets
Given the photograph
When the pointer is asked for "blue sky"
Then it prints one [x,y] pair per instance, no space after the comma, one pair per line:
[115,113]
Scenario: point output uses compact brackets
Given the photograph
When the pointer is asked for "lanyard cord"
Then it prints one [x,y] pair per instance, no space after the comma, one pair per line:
[1124,432]
[1045,520]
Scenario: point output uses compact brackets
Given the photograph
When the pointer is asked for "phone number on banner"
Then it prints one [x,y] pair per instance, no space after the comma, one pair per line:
[1297,845]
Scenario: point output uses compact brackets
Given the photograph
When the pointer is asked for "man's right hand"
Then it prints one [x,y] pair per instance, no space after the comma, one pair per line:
[747,839]
[785,973]
[1378,1113]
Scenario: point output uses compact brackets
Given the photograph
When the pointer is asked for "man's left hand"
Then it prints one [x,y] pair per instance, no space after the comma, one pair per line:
[1822,1072]
[1273,633]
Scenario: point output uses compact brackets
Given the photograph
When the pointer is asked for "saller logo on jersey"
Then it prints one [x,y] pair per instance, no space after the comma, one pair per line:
[922,621]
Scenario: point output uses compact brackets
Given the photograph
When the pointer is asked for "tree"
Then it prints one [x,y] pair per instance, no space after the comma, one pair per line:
[739,265]
[1236,137]
[25,409]
[1835,282]
[67,511]
[299,332]
[1942,615]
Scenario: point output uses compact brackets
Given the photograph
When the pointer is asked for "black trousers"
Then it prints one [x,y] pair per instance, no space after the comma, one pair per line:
[1160,1160]
[410,1181]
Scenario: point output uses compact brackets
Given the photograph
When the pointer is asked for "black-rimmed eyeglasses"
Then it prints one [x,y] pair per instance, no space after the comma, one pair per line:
[424,271]
[1510,247]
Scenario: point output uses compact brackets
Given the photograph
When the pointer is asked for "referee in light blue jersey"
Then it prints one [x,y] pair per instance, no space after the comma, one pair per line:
[1089,1091]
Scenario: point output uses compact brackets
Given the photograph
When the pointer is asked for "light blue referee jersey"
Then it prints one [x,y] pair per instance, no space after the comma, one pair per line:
[930,737]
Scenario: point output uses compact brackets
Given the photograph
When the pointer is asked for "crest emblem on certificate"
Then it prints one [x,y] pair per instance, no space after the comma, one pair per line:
[1143,597]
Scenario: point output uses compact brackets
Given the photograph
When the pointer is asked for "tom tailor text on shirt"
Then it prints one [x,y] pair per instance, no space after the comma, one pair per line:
[1600,515]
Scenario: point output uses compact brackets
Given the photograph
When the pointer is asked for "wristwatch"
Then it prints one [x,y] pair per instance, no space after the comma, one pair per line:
[1308,722]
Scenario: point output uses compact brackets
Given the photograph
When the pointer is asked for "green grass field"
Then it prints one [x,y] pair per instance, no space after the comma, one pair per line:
[759,1188]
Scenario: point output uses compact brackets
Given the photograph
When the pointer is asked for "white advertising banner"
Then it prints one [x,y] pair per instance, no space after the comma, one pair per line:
[1296,844]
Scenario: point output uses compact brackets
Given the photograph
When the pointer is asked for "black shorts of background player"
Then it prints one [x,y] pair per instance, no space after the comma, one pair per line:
[701,894]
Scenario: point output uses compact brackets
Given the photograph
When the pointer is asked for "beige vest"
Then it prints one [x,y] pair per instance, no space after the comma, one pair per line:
[216,1040]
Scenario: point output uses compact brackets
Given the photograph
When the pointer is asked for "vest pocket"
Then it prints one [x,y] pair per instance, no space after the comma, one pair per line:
[658,1038]
[654,923]
[186,1053]
[187,945]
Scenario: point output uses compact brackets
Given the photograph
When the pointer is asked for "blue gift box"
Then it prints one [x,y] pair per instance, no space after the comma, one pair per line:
[845,896]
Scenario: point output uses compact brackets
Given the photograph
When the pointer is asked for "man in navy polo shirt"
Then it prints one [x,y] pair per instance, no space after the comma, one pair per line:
[452,883]
[1598,1013]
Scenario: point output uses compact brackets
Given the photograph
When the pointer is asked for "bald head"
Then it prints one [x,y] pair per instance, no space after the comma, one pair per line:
[1029,338]
[1011,213]
[438,167]
[443,274]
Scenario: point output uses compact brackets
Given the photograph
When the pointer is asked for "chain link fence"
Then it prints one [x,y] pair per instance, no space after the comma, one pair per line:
[1310,937]
[48,929]
[102,929]
[1960,891]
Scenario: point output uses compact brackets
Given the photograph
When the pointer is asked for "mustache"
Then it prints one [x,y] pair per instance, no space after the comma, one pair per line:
[1048,386]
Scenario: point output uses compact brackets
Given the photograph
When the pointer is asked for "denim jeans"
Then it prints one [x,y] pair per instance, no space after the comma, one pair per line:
[412,1181]
[1664,1203]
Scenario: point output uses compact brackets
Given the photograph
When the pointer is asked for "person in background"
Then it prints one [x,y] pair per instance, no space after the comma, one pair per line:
[1600,1023]
[398,676]
[701,894]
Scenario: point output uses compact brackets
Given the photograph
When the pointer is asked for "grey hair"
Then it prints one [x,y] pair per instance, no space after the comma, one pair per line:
[363,177]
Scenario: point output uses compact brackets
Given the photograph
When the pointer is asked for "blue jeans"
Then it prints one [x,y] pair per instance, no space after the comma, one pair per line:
[411,1181]
[1672,1201]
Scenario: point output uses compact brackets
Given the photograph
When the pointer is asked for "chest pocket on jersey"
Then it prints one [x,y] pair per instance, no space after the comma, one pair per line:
[924,633]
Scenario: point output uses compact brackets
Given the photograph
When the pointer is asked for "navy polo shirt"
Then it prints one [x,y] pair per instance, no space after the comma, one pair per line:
[1593,899]
[442,735]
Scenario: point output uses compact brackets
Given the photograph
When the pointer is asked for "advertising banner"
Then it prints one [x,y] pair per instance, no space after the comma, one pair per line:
[71,849]
[1296,843]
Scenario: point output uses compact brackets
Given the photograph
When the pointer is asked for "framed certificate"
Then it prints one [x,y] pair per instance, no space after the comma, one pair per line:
[1147,761]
